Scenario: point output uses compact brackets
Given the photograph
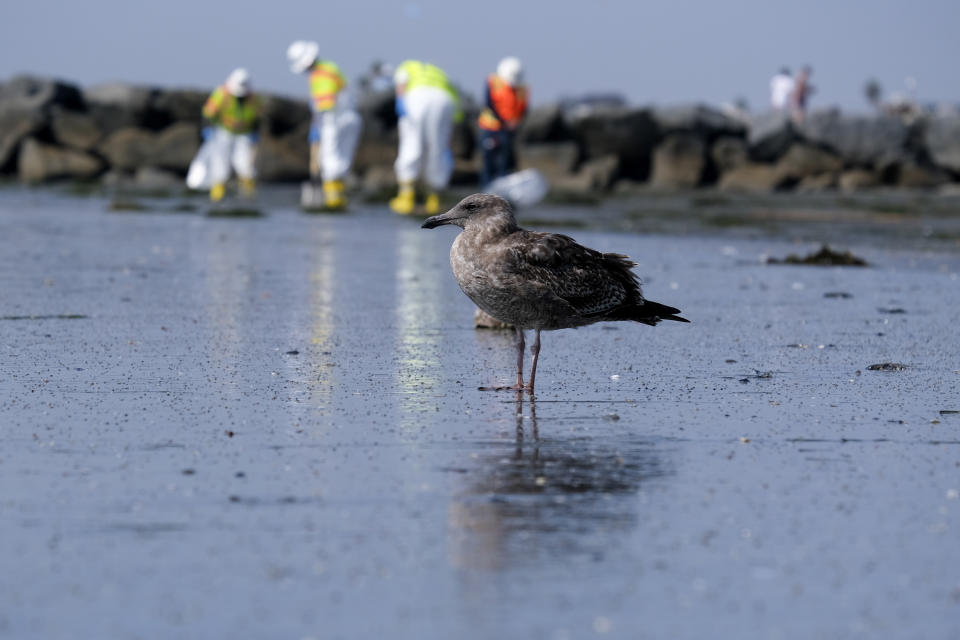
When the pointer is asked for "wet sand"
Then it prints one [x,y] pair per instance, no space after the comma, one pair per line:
[271,428]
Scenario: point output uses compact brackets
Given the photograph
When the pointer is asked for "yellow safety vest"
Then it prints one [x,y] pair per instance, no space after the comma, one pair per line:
[424,74]
[229,112]
[326,81]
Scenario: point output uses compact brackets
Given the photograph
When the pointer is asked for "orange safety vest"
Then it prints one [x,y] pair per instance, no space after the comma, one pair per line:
[509,105]
[326,81]
[227,111]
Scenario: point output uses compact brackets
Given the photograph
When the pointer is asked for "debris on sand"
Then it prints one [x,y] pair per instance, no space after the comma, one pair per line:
[887,366]
[838,294]
[893,310]
[825,257]
[234,212]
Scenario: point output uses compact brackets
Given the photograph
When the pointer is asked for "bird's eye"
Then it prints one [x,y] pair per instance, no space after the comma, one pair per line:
[470,206]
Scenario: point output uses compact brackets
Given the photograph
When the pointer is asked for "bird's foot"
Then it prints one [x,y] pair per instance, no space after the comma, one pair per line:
[516,387]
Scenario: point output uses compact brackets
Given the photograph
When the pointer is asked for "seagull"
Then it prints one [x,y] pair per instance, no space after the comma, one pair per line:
[539,281]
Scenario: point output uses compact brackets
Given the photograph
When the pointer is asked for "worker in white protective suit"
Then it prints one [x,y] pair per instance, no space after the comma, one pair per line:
[231,118]
[336,126]
[428,106]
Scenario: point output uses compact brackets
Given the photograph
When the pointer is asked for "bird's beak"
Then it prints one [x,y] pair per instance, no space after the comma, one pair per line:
[442,219]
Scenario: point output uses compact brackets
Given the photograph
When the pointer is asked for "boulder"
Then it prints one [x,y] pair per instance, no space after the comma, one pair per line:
[379,112]
[867,140]
[729,152]
[379,181]
[283,159]
[857,180]
[629,134]
[595,175]
[803,160]
[179,105]
[770,135]
[74,129]
[555,160]
[283,115]
[817,183]
[41,162]
[175,146]
[544,124]
[941,138]
[16,125]
[154,179]
[704,120]
[33,92]
[750,178]
[679,161]
[129,148]
[913,175]
[121,106]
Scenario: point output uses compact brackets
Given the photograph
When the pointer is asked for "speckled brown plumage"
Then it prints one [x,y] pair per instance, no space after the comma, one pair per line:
[540,281]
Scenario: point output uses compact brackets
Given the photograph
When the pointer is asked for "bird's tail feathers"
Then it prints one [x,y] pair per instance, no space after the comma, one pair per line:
[652,312]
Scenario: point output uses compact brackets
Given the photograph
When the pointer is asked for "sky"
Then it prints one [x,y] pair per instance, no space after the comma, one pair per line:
[663,52]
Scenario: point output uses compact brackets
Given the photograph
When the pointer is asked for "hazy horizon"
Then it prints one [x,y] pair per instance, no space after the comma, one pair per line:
[650,53]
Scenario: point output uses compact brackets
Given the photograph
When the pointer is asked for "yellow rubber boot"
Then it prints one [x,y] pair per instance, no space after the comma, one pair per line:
[217,192]
[405,200]
[432,205]
[333,197]
[248,187]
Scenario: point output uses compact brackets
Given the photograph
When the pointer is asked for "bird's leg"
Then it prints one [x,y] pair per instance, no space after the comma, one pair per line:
[535,351]
[521,343]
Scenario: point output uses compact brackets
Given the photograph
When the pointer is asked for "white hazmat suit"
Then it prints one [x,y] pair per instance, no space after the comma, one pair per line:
[425,129]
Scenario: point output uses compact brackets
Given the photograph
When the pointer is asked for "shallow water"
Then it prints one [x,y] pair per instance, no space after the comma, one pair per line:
[271,428]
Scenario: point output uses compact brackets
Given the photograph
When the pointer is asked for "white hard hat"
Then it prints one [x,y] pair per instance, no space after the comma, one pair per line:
[238,82]
[302,54]
[510,71]
[401,76]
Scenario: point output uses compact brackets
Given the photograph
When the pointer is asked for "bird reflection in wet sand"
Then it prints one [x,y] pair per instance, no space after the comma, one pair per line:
[549,495]
[539,281]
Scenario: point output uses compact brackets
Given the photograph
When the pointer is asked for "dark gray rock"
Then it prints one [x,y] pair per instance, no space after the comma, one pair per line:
[629,134]
[750,178]
[379,112]
[154,179]
[679,161]
[179,105]
[803,160]
[120,106]
[555,160]
[867,140]
[911,174]
[175,146]
[818,183]
[41,162]
[283,115]
[941,138]
[16,125]
[857,180]
[594,176]
[74,129]
[34,92]
[544,124]
[283,159]
[129,148]
[728,153]
[701,119]
[770,135]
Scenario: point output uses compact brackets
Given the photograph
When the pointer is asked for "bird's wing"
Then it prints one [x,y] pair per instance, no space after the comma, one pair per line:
[591,282]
